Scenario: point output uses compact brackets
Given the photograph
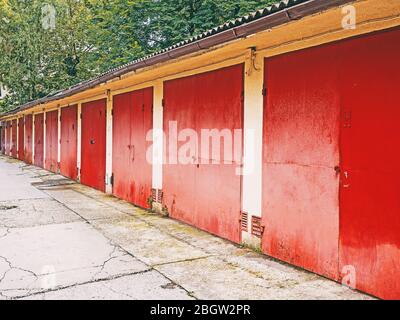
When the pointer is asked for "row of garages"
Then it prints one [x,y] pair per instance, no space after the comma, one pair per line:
[330,178]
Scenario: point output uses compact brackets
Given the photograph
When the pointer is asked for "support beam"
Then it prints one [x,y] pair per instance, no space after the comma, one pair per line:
[59,140]
[44,138]
[33,138]
[109,143]
[17,142]
[158,138]
[253,141]
[24,124]
[79,142]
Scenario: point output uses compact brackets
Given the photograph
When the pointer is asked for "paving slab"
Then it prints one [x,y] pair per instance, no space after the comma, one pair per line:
[34,212]
[62,240]
[53,256]
[141,286]
[84,206]
[214,278]
[147,243]
[14,185]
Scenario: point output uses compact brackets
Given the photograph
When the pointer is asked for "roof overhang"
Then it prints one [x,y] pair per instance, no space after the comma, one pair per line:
[268,18]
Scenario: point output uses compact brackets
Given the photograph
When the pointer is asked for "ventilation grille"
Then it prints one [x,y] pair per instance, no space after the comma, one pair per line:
[257,229]
[154,195]
[160,196]
[157,195]
[245,221]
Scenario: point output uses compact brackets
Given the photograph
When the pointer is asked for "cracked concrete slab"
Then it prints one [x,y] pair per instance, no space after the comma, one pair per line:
[81,204]
[52,256]
[214,278]
[195,237]
[34,212]
[142,286]
[62,240]
[147,243]
[20,188]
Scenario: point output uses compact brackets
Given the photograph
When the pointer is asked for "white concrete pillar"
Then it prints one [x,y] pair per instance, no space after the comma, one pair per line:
[33,138]
[59,140]
[17,142]
[10,140]
[79,142]
[5,137]
[44,138]
[23,123]
[109,143]
[253,141]
[158,138]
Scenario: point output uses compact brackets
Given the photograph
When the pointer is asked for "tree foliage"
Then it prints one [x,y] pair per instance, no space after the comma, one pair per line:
[92,36]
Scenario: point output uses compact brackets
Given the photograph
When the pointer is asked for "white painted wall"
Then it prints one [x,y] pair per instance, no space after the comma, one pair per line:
[17,142]
[79,142]
[158,141]
[109,142]
[253,137]
[59,137]
[44,138]
[33,138]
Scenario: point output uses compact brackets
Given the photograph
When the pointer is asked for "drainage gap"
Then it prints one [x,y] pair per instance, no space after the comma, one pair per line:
[5,208]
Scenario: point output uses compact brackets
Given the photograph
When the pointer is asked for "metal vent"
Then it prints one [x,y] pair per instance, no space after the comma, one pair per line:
[160,196]
[245,222]
[257,229]
[154,195]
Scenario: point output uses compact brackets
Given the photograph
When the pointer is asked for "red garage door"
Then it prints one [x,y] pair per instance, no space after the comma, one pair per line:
[21,139]
[93,167]
[52,141]
[300,185]
[14,130]
[205,195]
[339,97]
[39,137]
[69,139]
[8,138]
[370,176]
[28,139]
[133,119]
[2,139]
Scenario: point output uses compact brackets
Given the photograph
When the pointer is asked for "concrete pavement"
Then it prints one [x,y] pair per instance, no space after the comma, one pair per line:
[62,240]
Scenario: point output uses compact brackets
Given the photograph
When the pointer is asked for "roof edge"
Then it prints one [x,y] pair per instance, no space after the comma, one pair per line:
[270,17]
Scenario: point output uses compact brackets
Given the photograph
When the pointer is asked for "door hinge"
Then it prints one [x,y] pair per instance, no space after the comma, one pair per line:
[112,180]
[163,103]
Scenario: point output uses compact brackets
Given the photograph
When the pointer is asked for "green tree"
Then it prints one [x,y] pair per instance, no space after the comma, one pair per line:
[160,24]
[91,36]
[38,58]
